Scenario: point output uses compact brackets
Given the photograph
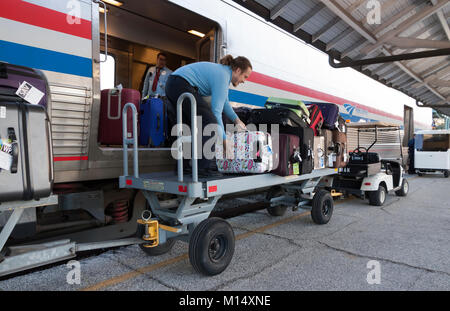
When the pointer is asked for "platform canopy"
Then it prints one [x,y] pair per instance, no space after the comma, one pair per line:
[385,49]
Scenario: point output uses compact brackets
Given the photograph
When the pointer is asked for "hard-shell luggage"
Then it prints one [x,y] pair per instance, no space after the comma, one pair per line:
[319,152]
[329,147]
[111,105]
[26,160]
[12,76]
[153,122]
[315,115]
[287,158]
[306,136]
[340,157]
[296,106]
[281,116]
[330,113]
[252,153]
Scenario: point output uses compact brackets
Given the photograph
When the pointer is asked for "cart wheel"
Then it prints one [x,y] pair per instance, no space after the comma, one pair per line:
[211,246]
[161,249]
[322,207]
[278,210]
[378,197]
[419,173]
[404,190]
[446,174]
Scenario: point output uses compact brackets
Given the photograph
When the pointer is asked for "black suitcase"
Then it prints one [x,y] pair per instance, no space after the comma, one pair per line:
[26,151]
[281,116]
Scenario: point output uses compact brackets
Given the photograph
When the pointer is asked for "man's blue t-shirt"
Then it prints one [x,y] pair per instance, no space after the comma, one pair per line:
[211,80]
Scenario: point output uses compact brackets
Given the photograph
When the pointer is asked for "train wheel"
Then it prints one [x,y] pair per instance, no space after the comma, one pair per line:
[322,207]
[211,246]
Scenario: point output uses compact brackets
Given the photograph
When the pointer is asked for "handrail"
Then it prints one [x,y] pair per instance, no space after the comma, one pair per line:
[133,141]
[193,136]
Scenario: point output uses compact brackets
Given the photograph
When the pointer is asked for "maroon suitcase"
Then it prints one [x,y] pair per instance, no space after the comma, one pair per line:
[287,156]
[111,105]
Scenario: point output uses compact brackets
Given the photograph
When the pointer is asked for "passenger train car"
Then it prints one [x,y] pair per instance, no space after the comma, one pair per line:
[81,50]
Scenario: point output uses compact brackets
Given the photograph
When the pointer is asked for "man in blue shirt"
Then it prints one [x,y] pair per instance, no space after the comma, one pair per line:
[209,79]
[156,78]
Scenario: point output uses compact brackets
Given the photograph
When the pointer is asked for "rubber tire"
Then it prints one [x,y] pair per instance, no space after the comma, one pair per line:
[446,174]
[317,213]
[419,173]
[403,192]
[278,210]
[200,242]
[159,250]
[374,196]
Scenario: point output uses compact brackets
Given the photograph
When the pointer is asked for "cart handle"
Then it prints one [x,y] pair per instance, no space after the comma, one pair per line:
[132,141]
[193,136]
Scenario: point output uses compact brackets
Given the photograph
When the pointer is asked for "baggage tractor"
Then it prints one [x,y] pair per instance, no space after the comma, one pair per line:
[319,152]
[330,113]
[153,122]
[287,159]
[340,157]
[252,153]
[281,116]
[12,76]
[26,158]
[315,115]
[111,105]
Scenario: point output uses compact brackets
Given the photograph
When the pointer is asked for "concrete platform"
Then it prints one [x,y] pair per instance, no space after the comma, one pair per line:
[409,238]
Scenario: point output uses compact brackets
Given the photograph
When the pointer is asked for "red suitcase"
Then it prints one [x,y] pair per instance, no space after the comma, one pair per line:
[111,104]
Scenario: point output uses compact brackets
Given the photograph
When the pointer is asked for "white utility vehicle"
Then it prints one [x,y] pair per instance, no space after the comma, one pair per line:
[366,175]
[432,152]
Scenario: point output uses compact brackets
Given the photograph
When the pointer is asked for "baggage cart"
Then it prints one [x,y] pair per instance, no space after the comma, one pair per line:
[186,216]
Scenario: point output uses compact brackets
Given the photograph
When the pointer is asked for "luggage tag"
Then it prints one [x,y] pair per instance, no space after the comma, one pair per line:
[29,93]
[6,158]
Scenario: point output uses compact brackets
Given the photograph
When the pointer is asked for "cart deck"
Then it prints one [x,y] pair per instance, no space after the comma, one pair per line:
[167,182]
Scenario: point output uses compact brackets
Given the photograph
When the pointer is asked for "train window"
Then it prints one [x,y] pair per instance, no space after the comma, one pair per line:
[107,72]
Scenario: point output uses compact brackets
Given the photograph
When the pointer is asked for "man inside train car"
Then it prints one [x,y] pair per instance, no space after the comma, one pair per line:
[156,78]
[209,79]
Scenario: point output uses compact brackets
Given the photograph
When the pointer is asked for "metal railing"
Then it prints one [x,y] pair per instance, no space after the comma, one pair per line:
[179,143]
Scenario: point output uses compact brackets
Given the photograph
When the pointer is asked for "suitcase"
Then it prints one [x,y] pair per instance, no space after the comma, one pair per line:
[329,147]
[12,76]
[330,113]
[153,122]
[252,153]
[281,116]
[296,106]
[26,158]
[111,105]
[319,152]
[316,119]
[287,158]
[340,157]
[306,136]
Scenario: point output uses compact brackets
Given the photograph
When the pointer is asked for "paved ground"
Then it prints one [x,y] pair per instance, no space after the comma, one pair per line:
[409,238]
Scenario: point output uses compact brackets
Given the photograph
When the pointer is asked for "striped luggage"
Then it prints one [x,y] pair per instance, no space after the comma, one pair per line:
[316,118]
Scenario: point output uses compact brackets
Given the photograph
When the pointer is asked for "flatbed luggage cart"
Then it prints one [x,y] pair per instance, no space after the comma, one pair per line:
[211,240]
